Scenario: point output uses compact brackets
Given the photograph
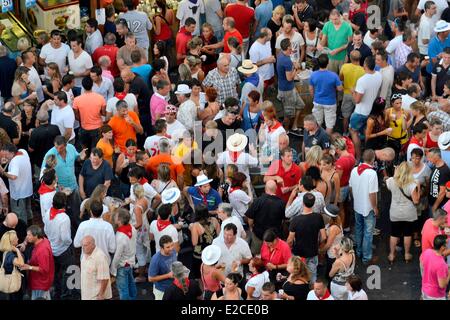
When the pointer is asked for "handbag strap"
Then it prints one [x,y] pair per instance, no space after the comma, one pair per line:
[403,192]
[4,257]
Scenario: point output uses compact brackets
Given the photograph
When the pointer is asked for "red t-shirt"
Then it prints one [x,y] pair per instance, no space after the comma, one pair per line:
[183,37]
[350,145]
[111,52]
[229,34]
[42,257]
[430,143]
[290,177]
[243,17]
[280,254]
[345,164]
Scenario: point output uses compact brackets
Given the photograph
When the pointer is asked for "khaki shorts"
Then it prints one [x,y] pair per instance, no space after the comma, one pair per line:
[328,112]
[348,105]
[335,65]
[291,101]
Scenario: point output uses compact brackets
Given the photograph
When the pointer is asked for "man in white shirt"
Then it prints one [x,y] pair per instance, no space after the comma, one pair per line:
[441,5]
[173,125]
[47,191]
[20,180]
[55,51]
[297,42]
[387,74]
[224,213]
[94,37]
[63,115]
[320,291]
[57,228]
[80,63]
[28,60]
[103,86]
[411,97]
[426,26]
[120,94]
[163,227]
[235,251]
[398,28]
[99,229]
[151,144]
[364,186]
[365,93]
[370,37]
[261,55]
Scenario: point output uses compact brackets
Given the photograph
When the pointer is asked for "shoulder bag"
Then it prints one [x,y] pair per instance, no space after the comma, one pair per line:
[10,283]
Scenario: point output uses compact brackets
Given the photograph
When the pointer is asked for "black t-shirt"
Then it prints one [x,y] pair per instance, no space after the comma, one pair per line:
[41,140]
[222,127]
[306,14]
[120,41]
[274,28]
[174,293]
[92,177]
[439,178]
[267,212]
[7,124]
[320,138]
[139,88]
[7,69]
[298,291]
[324,5]
[364,50]
[442,75]
[210,58]
[360,20]
[307,228]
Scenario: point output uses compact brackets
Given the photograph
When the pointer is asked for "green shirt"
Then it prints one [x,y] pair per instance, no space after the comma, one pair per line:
[337,39]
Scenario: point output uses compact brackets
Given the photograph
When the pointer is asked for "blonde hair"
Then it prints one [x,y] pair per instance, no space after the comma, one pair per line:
[164,172]
[138,191]
[96,195]
[23,44]
[279,9]
[6,241]
[314,155]
[184,72]
[300,271]
[266,104]
[231,170]
[403,176]
[420,107]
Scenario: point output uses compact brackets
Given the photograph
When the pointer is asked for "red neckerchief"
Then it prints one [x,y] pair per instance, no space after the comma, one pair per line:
[120,95]
[143,181]
[234,155]
[19,153]
[128,156]
[325,296]
[205,201]
[234,189]
[43,189]
[362,167]
[126,230]
[179,285]
[254,275]
[54,212]
[274,127]
[162,224]
[414,140]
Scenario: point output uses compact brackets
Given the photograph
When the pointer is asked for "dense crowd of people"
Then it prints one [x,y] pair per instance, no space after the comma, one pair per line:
[245,156]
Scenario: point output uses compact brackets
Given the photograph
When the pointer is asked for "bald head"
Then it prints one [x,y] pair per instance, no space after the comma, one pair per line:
[127,75]
[11,220]
[271,187]
[88,245]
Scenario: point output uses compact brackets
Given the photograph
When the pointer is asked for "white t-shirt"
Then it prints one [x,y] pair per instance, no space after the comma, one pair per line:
[186,9]
[151,145]
[46,202]
[240,201]
[237,251]
[130,99]
[244,162]
[363,184]
[174,127]
[257,282]
[368,40]
[387,75]
[312,296]
[167,231]
[79,65]
[93,41]
[358,295]
[20,166]
[64,118]
[234,220]
[58,56]
[392,46]
[296,42]
[425,31]
[368,85]
[3,190]
[441,5]
[407,101]
[260,52]
[33,76]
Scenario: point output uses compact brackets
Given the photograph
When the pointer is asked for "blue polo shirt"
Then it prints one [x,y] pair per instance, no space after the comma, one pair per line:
[65,169]
[434,48]
[325,83]
[284,64]
[212,198]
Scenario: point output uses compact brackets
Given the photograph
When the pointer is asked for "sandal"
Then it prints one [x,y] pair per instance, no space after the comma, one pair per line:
[417,243]
[408,258]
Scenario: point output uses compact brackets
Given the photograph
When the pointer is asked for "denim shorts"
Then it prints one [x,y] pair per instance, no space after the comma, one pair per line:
[344,194]
[358,122]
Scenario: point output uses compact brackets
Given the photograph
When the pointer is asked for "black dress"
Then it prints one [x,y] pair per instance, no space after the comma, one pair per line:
[274,28]
[298,291]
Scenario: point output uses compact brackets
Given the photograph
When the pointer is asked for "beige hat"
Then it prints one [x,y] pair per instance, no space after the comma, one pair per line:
[237,142]
[248,67]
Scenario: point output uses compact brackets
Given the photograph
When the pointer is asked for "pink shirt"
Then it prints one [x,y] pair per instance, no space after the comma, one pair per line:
[157,106]
[446,207]
[429,232]
[434,268]
[107,74]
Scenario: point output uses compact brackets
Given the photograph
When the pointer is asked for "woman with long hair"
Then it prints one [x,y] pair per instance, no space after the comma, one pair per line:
[312,158]
[160,52]
[251,113]
[397,119]
[195,66]
[125,162]
[162,22]
[270,132]
[419,114]
[22,88]
[54,83]
[12,257]
[311,34]
[376,129]
[331,177]
[296,286]
[106,143]
[208,38]
[335,234]
[28,122]
[343,267]
[239,199]
[320,185]
[275,24]
[403,214]
[231,290]
[212,107]
[99,194]
[235,52]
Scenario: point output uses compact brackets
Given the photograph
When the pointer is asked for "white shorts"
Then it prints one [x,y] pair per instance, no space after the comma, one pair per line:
[328,112]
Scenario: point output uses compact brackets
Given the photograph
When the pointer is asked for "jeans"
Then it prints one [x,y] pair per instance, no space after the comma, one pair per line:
[125,283]
[62,262]
[22,207]
[364,235]
[89,138]
[40,295]
[311,264]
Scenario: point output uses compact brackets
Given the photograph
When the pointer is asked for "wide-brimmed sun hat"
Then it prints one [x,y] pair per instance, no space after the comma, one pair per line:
[444,141]
[237,142]
[170,195]
[248,67]
[202,180]
[211,255]
[441,26]
[183,89]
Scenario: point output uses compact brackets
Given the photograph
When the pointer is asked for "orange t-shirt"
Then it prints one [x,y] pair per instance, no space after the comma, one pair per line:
[175,165]
[122,130]
[108,151]
[90,106]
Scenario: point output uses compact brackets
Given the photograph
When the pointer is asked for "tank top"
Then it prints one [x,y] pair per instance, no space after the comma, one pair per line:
[143,233]
[430,143]
[209,283]
[337,241]
[377,142]
[341,277]
[398,131]
[205,239]
[166,32]
[312,43]
[331,196]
